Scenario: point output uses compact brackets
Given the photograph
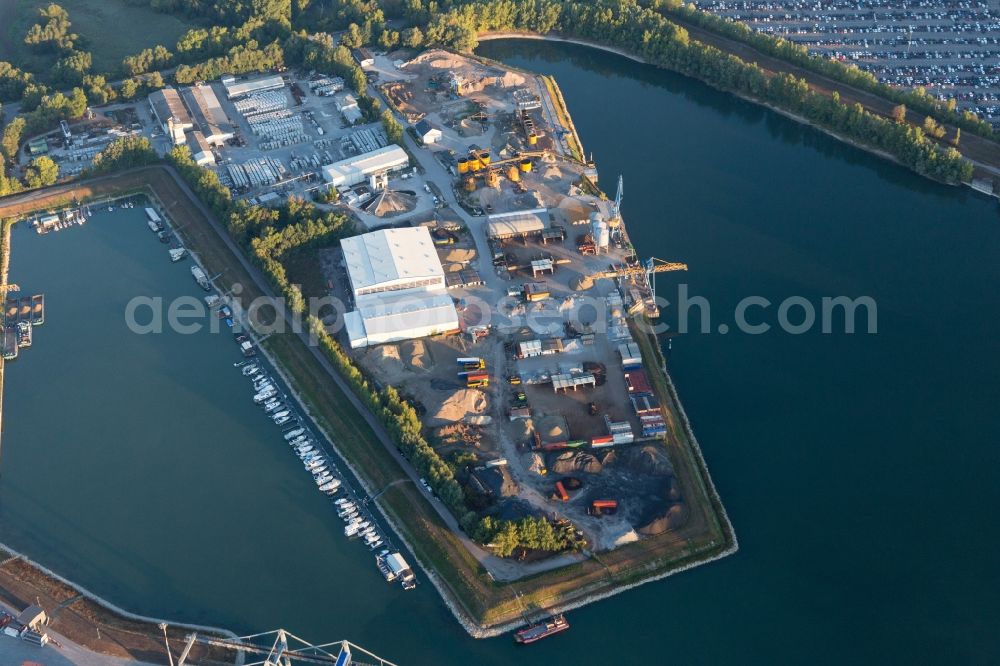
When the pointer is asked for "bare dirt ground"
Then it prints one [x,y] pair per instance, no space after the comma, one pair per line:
[90,625]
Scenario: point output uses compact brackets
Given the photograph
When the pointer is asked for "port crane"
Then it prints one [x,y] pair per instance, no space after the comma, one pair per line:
[648,268]
[282,648]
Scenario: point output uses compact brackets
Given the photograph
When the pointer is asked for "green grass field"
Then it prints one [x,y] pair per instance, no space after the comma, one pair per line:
[112,30]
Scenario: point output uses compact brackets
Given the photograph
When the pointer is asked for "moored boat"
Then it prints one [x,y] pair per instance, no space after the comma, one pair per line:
[38,309]
[10,342]
[540,630]
[23,334]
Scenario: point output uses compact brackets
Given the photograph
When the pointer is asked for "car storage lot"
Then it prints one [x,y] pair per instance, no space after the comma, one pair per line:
[950,48]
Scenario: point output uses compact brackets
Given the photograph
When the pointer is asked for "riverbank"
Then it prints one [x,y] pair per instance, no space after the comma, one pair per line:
[96,625]
[987,153]
[5,227]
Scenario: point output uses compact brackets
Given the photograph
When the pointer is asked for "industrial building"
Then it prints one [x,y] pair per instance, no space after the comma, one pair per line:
[398,285]
[427,133]
[236,89]
[357,170]
[201,151]
[517,224]
[208,114]
[171,114]
[347,104]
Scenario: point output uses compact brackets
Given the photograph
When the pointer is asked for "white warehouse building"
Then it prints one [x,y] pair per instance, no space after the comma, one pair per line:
[398,286]
[356,170]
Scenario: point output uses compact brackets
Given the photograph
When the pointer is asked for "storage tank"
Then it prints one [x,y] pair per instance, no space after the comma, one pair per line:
[474,164]
[484,158]
[525,165]
[599,228]
[513,174]
[532,139]
[463,165]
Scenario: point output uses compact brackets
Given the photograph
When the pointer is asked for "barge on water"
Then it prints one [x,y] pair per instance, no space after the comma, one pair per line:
[540,630]
[10,342]
[23,334]
[38,309]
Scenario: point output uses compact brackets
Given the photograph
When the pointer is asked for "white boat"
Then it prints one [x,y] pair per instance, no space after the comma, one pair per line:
[322,478]
[342,501]
[283,420]
[300,440]
[375,545]
[263,396]
[278,415]
[331,485]
[354,528]
[177,253]
[321,470]
[306,450]
[272,405]
[348,514]
[371,537]
[292,434]
[263,385]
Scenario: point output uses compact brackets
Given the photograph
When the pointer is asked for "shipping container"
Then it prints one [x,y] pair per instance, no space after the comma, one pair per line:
[598,442]
[561,491]
[638,383]
[474,381]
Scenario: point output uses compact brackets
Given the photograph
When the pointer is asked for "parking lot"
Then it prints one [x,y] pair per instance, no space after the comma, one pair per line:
[952,49]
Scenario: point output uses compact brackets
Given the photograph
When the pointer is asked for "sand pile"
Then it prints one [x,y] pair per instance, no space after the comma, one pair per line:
[457,255]
[569,462]
[416,355]
[647,460]
[522,429]
[553,429]
[387,359]
[674,517]
[456,407]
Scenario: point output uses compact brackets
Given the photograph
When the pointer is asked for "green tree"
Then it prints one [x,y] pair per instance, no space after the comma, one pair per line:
[11,141]
[124,153]
[41,172]
[412,38]
[129,89]
[899,113]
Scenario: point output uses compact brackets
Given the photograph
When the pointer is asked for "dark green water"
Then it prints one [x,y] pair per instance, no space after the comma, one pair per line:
[858,470]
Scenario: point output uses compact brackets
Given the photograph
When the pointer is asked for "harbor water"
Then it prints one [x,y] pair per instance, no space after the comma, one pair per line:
[857,469]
